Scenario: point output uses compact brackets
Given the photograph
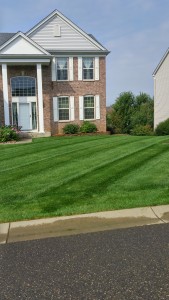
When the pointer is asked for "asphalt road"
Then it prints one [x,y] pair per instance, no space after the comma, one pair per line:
[119,264]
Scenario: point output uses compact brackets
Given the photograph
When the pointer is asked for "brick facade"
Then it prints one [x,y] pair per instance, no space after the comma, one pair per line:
[51,89]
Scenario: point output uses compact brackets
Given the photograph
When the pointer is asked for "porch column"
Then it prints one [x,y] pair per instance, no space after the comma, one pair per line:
[5,94]
[40,98]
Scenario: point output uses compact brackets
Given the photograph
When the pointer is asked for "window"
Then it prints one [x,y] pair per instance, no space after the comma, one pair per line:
[88,107]
[23,86]
[88,68]
[62,68]
[63,107]
[14,114]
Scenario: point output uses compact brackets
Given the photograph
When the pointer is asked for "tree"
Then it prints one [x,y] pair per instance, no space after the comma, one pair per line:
[143,113]
[130,111]
[124,108]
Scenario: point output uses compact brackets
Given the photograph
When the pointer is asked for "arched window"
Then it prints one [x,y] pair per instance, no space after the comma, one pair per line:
[23,86]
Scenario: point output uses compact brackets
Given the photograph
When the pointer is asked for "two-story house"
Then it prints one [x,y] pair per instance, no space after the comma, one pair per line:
[52,75]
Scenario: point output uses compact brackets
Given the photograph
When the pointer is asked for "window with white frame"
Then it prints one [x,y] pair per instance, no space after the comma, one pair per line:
[23,86]
[62,68]
[63,108]
[88,68]
[89,107]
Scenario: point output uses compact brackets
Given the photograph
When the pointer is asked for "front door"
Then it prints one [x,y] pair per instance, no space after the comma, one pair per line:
[24,102]
[24,116]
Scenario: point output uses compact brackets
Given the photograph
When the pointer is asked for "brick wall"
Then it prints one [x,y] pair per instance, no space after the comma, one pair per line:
[74,88]
[53,89]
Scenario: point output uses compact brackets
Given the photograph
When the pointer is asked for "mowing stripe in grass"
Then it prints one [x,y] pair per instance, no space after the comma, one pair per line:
[56,167]
[59,173]
[100,174]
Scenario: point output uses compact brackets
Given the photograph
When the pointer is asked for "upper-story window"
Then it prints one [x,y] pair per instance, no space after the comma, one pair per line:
[23,86]
[88,68]
[62,68]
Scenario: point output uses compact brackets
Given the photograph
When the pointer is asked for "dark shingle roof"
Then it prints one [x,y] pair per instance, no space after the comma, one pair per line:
[93,37]
[4,37]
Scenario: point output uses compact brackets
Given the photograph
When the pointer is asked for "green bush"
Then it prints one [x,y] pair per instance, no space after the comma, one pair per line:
[142,130]
[88,127]
[9,133]
[162,128]
[71,129]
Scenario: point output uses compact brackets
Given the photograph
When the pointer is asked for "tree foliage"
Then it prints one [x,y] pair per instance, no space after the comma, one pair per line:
[130,111]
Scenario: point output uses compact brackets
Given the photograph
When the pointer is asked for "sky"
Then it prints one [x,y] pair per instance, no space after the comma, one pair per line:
[134,31]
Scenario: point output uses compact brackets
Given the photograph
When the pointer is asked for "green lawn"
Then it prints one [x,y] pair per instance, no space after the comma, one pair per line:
[72,175]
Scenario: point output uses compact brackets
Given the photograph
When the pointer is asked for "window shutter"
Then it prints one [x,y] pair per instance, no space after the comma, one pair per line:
[71,68]
[79,68]
[72,110]
[53,69]
[97,103]
[55,109]
[97,68]
[81,112]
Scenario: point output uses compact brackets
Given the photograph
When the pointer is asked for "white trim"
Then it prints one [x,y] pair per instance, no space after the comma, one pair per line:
[40,98]
[81,108]
[27,39]
[5,93]
[80,68]
[75,27]
[70,67]
[24,60]
[71,108]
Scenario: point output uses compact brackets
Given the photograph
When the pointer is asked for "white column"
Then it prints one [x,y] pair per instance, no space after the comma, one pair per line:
[5,93]
[40,98]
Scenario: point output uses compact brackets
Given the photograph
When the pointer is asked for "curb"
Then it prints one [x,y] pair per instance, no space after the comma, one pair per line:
[85,223]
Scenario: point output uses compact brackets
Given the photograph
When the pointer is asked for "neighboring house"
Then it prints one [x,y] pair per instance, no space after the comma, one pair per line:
[52,75]
[161,90]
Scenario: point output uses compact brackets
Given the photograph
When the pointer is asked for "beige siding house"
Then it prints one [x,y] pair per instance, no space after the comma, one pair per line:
[161,90]
[52,75]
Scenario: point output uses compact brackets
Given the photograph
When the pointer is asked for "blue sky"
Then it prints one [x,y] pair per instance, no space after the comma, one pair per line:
[135,31]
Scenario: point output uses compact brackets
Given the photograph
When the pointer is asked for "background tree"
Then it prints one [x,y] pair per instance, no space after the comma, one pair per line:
[129,112]
[143,113]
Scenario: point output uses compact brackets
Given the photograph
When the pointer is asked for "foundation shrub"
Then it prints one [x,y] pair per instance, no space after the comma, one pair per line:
[9,133]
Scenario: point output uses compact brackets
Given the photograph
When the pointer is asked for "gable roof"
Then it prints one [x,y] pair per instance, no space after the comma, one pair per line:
[13,38]
[161,62]
[4,37]
[56,13]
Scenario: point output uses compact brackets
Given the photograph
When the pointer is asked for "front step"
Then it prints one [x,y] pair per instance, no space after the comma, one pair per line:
[28,135]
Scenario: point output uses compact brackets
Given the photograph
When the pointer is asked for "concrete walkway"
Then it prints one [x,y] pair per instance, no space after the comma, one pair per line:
[61,226]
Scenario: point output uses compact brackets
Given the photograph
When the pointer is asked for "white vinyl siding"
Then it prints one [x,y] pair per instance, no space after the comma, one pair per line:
[70,38]
[161,92]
